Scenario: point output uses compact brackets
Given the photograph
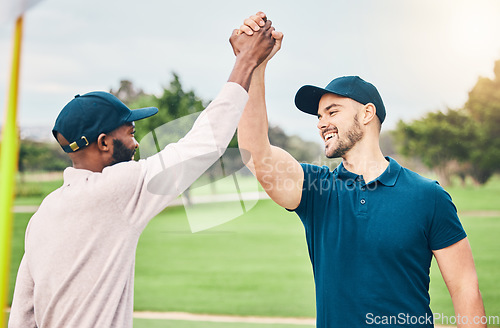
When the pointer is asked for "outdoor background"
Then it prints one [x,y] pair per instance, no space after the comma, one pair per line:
[435,64]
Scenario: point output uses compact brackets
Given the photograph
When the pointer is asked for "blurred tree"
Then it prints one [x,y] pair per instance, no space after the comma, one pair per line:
[301,150]
[127,92]
[41,156]
[465,142]
[483,106]
[441,140]
[174,103]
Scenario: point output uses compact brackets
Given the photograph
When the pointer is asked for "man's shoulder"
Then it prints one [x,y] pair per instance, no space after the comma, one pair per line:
[417,180]
[320,171]
[112,178]
[128,167]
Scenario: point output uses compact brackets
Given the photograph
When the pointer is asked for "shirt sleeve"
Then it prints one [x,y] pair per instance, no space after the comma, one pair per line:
[446,228]
[165,175]
[313,188]
[22,314]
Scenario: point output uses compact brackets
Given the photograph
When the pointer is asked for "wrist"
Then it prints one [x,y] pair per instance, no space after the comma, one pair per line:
[261,68]
[243,70]
[245,60]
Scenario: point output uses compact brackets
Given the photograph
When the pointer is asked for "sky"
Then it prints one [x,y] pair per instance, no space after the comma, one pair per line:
[422,55]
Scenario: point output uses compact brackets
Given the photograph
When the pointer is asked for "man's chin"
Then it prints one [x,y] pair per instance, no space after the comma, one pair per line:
[331,153]
[331,156]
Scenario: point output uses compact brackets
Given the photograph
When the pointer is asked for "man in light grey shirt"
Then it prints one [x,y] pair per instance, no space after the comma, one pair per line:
[78,266]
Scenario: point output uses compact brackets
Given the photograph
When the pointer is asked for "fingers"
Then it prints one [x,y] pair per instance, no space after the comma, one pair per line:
[259,18]
[262,15]
[253,23]
[246,29]
[277,35]
[267,25]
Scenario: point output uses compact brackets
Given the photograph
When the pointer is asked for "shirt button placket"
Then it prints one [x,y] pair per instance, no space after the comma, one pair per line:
[363,207]
[362,196]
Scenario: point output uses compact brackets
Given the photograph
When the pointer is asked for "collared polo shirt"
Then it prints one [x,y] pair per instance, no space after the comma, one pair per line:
[371,244]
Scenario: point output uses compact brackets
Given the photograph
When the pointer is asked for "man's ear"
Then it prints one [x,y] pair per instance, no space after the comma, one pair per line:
[369,113]
[104,142]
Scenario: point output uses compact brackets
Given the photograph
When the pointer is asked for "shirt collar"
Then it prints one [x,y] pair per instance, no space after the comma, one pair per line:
[391,173]
[343,174]
[387,178]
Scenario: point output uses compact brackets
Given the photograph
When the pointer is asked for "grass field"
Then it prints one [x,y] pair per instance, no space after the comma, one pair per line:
[254,265]
[257,264]
[474,198]
[144,323]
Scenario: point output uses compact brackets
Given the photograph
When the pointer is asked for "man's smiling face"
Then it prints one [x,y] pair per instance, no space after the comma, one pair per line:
[338,124]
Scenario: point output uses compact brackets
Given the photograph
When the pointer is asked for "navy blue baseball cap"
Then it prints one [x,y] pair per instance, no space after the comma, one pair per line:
[85,117]
[354,87]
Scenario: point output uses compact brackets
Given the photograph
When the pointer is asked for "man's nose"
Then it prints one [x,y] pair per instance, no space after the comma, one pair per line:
[321,124]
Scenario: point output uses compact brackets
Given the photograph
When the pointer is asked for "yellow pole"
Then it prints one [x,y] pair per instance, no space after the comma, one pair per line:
[8,168]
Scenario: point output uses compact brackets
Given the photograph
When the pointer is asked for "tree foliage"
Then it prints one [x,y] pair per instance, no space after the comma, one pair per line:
[302,151]
[41,156]
[173,103]
[483,106]
[442,141]
[465,141]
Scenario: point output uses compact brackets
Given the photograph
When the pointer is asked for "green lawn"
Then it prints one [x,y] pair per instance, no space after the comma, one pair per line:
[257,264]
[144,323]
[32,193]
[254,265]
[477,198]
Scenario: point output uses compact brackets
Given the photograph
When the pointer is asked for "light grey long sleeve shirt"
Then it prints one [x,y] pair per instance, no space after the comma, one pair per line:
[78,266]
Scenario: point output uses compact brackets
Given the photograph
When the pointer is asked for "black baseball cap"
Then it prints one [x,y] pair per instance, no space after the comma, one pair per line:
[85,117]
[354,87]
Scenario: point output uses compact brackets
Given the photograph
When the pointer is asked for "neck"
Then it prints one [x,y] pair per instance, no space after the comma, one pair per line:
[88,159]
[366,160]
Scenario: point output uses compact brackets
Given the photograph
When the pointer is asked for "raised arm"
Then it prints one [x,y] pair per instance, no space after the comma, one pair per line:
[278,172]
[459,274]
[165,175]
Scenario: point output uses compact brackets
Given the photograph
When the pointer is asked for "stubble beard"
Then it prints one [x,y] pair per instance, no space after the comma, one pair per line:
[354,134]
[121,153]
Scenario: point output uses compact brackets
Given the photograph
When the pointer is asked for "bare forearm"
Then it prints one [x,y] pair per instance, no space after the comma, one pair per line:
[243,70]
[253,126]
[278,172]
[459,273]
[469,309]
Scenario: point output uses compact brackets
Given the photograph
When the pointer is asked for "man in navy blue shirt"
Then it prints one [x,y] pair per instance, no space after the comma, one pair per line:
[371,225]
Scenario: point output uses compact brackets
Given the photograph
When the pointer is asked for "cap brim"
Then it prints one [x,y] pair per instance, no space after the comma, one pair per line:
[141,113]
[307,98]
